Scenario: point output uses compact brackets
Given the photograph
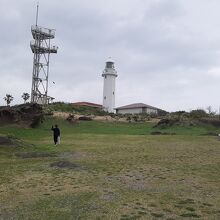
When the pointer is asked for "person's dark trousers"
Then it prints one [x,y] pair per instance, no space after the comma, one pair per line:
[55,138]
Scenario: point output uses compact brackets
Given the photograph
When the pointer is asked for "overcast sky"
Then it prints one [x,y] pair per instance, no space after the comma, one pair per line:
[166,52]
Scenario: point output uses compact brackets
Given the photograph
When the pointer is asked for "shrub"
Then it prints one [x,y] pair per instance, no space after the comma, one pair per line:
[197,114]
[161,112]
[128,118]
[71,117]
[135,118]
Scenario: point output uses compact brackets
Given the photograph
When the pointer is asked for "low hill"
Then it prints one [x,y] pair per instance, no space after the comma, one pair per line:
[68,107]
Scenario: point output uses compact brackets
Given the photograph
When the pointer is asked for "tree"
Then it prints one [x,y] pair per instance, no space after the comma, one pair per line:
[8,98]
[210,112]
[51,99]
[25,96]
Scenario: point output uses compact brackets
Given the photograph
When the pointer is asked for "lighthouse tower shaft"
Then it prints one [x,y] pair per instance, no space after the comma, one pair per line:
[109,75]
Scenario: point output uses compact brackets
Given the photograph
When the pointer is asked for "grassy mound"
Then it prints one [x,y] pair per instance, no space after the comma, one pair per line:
[68,107]
[25,115]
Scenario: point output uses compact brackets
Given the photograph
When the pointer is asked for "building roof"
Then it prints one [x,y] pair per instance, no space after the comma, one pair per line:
[136,105]
[90,104]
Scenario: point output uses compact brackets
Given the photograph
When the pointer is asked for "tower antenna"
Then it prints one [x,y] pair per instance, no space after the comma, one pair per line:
[37,13]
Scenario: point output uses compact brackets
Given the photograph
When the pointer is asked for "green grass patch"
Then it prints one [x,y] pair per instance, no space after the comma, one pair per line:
[109,171]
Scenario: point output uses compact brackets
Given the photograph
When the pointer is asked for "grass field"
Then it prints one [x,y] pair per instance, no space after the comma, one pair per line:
[110,171]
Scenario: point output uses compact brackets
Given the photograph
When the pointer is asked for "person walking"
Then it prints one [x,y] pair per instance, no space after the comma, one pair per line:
[56,134]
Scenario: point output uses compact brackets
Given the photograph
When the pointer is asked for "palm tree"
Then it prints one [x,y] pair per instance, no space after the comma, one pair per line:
[8,98]
[25,96]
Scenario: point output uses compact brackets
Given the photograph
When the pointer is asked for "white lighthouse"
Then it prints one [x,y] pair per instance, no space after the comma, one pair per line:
[109,75]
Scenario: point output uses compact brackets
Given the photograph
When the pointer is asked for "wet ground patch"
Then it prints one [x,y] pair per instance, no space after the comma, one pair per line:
[25,155]
[5,141]
[72,155]
[65,164]
[210,134]
[13,142]
[9,142]
[162,133]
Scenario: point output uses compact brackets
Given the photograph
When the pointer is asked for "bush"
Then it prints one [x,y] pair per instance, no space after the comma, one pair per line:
[135,118]
[128,118]
[161,112]
[197,114]
[37,120]
[71,117]
[112,114]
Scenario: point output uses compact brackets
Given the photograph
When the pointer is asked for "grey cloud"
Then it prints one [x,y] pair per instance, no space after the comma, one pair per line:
[163,50]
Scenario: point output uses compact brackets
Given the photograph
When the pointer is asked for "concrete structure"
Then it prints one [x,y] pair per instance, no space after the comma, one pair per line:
[87,104]
[109,74]
[137,108]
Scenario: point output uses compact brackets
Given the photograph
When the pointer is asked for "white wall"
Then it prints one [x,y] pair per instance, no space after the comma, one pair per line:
[137,111]
[130,111]
[150,111]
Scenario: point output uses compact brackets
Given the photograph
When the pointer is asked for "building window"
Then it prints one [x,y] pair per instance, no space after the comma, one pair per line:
[105,97]
[113,93]
[105,77]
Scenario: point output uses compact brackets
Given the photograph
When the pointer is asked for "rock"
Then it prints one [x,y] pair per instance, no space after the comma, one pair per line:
[85,118]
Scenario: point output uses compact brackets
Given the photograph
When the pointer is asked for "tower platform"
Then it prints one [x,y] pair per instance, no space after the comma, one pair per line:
[42,33]
[41,49]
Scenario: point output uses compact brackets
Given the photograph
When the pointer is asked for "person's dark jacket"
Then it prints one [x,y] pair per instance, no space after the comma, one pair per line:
[56,131]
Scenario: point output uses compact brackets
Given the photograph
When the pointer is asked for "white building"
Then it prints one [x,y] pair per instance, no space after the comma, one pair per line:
[109,75]
[137,108]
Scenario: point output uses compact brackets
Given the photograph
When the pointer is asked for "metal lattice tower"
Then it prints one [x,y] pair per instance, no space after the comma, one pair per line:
[41,48]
